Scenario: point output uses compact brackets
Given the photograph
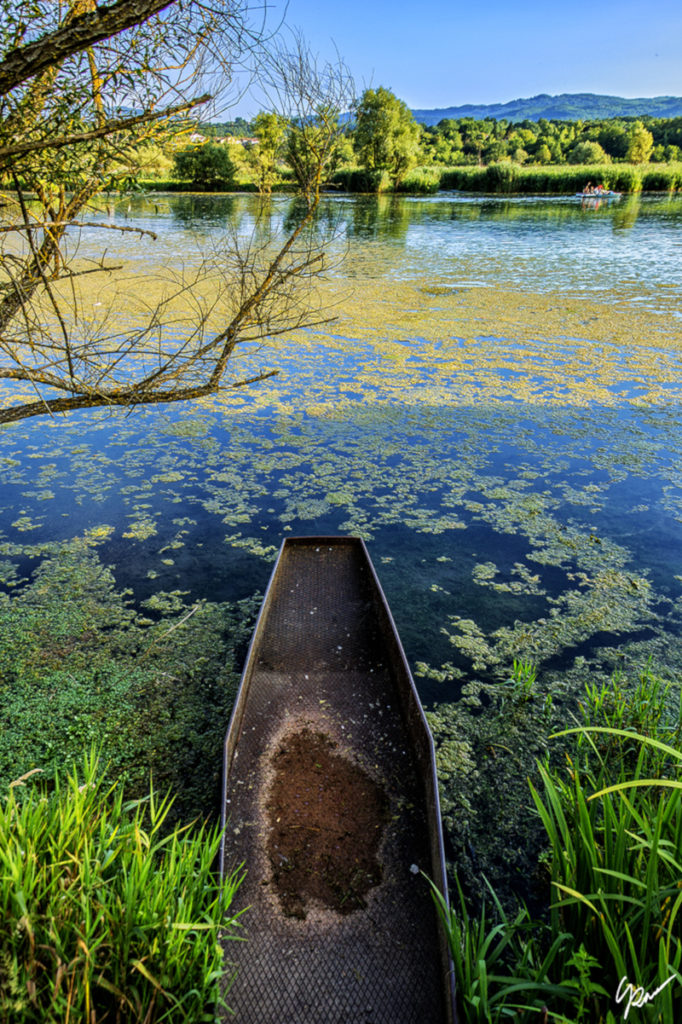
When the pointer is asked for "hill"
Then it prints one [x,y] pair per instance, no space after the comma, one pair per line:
[583,106]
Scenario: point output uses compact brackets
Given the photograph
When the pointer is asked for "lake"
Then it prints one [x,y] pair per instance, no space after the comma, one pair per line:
[495,409]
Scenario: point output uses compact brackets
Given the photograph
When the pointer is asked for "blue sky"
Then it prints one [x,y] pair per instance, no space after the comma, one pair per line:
[439,54]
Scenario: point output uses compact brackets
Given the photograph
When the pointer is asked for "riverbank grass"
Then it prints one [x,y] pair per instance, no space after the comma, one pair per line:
[612,818]
[107,915]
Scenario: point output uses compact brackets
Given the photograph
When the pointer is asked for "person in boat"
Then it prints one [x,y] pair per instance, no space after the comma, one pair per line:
[588,189]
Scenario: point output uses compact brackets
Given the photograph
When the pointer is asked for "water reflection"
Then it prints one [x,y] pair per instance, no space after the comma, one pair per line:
[539,242]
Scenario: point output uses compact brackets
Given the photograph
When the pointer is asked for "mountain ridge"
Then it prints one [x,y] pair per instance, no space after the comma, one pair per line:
[580,106]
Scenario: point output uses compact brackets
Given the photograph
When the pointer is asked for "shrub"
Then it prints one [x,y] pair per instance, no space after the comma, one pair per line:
[207,166]
[104,918]
[588,153]
[501,177]
[421,180]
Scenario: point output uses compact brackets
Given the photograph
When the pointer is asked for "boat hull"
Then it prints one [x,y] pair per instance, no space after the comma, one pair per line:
[326,657]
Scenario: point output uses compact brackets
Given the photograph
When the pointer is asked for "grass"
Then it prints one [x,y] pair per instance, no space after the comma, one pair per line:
[106,915]
[529,179]
[612,816]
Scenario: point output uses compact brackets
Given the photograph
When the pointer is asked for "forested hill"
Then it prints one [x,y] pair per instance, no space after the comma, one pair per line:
[580,106]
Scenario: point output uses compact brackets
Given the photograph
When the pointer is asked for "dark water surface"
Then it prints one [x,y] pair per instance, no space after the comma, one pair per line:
[501,526]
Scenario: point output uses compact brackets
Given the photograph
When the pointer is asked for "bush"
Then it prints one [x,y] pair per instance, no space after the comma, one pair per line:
[208,166]
[501,177]
[103,918]
[588,153]
[421,181]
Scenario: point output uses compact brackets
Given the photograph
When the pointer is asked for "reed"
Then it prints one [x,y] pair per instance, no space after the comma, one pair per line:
[501,968]
[613,821]
[106,916]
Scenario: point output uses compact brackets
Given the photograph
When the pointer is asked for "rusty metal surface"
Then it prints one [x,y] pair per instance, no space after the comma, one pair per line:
[325,653]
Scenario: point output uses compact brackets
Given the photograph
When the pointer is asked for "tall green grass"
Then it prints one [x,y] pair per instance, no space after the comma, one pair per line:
[526,179]
[105,916]
[612,816]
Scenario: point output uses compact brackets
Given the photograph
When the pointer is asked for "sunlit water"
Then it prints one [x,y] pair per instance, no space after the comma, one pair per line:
[502,520]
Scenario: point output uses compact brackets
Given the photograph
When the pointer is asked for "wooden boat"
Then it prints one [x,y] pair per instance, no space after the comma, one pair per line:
[326,672]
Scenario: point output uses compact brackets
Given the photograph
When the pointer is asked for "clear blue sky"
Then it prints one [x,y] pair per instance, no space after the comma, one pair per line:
[439,54]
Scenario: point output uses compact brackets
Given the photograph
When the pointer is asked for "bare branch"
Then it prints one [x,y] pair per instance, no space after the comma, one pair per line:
[110,128]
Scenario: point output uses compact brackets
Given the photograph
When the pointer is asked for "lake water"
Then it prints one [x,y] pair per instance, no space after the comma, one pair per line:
[496,409]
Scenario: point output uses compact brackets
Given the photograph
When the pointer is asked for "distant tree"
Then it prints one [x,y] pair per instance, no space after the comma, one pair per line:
[207,165]
[495,151]
[477,135]
[263,157]
[587,153]
[314,148]
[640,144]
[543,154]
[614,138]
[386,135]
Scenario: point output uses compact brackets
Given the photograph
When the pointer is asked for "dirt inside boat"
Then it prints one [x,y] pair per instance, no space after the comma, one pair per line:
[329,803]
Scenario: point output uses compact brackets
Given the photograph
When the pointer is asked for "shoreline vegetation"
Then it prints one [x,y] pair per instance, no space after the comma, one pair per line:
[502,178]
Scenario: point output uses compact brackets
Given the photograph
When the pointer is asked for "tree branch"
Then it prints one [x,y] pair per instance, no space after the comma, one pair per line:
[122,124]
[122,398]
[79,33]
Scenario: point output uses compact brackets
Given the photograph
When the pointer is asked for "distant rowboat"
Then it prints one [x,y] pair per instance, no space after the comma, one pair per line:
[326,666]
[598,195]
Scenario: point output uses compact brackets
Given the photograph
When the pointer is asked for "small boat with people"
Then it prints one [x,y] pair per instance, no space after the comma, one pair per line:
[330,801]
[591,191]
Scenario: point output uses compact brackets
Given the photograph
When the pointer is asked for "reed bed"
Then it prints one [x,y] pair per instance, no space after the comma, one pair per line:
[107,916]
[506,177]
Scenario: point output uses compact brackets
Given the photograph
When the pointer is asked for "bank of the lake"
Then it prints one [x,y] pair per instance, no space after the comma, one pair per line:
[501,178]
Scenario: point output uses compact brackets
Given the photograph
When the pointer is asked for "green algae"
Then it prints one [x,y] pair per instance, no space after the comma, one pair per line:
[502,424]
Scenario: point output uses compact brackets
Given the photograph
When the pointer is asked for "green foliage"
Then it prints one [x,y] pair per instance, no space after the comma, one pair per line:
[640,144]
[314,148]
[587,153]
[523,679]
[386,135]
[106,915]
[207,166]
[154,692]
[420,181]
[263,158]
[613,819]
[500,964]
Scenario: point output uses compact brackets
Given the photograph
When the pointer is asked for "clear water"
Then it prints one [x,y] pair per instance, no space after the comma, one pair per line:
[499,526]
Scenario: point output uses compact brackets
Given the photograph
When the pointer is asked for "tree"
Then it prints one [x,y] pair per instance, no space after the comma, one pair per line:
[207,165]
[588,153]
[386,135]
[81,85]
[543,154]
[263,157]
[315,98]
[640,144]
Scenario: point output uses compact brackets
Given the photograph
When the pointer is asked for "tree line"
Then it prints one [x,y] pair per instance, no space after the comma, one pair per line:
[379,141]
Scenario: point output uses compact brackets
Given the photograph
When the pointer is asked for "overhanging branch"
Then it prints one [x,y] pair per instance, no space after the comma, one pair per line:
[78,34]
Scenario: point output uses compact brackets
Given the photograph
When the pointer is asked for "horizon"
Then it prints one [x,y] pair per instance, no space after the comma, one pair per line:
[448,55]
